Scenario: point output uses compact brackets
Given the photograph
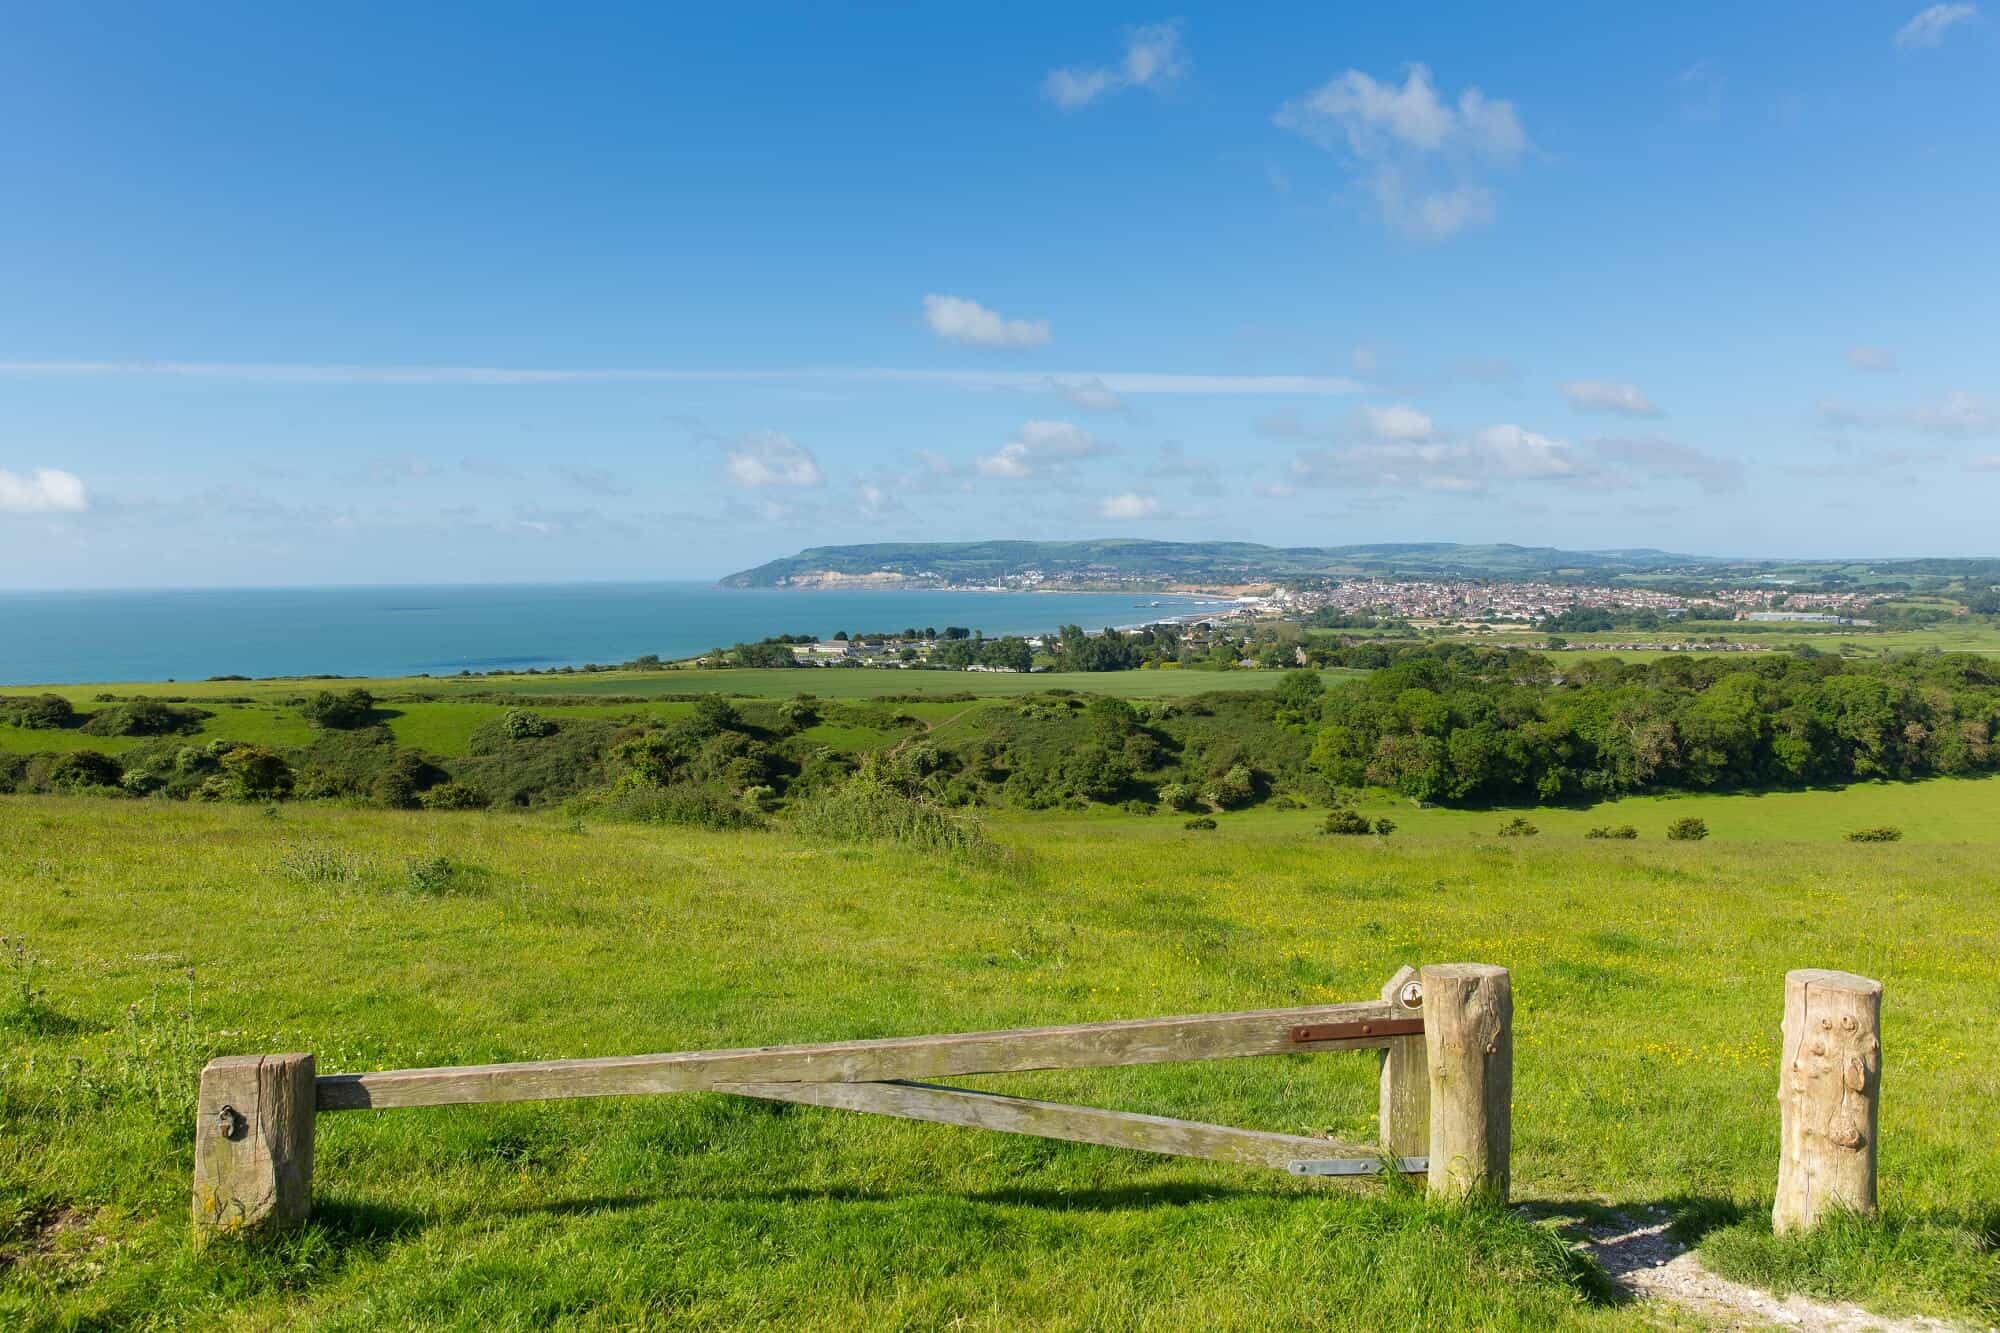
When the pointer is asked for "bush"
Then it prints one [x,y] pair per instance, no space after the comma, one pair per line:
[409,775]
[1688,829]
[867,808]
[432,875]
[1200,822]
[1518,827]
[144,717]
[83,769]
[40,712]
[1623,831]
[1881,833]
[453,796]
[259,774]
[1178,796]
[1384,827]
[339,712]
[521,724]
[685,804]
[1346,822]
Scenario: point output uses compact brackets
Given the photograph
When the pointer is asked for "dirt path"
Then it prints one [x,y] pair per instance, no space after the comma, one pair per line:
[1643,1259]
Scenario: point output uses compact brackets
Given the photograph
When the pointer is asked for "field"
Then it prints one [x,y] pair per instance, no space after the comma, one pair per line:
[1647,975]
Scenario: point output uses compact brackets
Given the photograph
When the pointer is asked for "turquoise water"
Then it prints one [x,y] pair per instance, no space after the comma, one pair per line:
[63,638]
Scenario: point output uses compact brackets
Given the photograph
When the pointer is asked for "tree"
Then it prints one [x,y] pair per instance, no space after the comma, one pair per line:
[1299,694]
[43,712]
[1688,829]
[259,774]
[339,712]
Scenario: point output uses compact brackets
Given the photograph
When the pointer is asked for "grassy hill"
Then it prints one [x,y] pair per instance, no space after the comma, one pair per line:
[1648,979]
[1196,562]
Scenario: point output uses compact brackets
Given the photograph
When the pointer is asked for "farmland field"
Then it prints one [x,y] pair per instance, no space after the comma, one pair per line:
[1647,975]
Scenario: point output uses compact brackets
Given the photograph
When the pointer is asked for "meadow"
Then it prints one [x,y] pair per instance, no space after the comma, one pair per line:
[145,937]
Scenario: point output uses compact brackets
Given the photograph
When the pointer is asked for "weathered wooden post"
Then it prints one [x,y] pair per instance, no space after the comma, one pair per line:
[253,1143]
[1469,1046]
[1829,1087]
[1405,1112]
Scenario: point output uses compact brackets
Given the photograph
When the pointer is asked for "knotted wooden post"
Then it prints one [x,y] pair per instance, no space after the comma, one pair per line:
[253,1143]
[1405,1104]
[1829,1087]
[1469,1044]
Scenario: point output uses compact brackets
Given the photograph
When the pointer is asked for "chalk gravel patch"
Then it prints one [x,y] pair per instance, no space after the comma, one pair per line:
[1644,1260]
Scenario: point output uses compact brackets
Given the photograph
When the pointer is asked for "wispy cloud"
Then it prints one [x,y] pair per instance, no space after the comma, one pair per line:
[1114,381]
[1128,505]
[1606,396]
[1424,160]
[1956,413]
[1656,458]
[1153,59]
[46,490]
[769,458]
[959,320]
[1871,360]
[1038,448]
[594,480]
[1929,27]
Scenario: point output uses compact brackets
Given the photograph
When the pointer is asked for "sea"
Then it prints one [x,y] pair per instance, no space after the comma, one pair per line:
[51,638]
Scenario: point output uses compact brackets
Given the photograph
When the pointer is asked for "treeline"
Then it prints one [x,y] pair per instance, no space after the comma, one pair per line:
[1458,724]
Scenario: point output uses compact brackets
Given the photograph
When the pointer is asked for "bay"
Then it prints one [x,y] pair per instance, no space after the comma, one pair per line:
[88,637]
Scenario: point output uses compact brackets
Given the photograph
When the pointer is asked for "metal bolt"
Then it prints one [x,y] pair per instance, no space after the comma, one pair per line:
[229,1122]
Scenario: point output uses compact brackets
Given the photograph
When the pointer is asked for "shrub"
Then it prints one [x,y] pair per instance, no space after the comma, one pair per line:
[1200,822]
[453,796]
[145,717]
[867,808]
[1384,827]
[311,863]
[84,768]
[1688,829]
[1178,796]
[259,774]
[339,712]
[1235,787]
[436,874]
[1624,831]
[1346,822]
[521,724]
[1881,833]
[1518,827]
[686,804]
[409,775]
[41,712]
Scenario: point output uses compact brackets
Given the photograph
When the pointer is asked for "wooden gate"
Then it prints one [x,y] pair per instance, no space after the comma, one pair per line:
[1446,1089]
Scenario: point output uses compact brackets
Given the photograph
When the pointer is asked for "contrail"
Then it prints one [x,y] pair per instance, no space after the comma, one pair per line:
[1117,381]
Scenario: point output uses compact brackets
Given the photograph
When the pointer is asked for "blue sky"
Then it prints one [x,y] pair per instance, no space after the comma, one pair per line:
[356,294]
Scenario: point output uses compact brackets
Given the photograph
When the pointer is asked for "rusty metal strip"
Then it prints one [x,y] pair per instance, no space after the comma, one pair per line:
[1382,1027]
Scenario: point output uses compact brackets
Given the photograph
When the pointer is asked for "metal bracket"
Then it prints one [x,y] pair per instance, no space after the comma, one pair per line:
[1378,1028]
[1359,1166]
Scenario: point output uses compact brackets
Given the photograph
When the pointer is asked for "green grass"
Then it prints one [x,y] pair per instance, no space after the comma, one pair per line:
[1648,979]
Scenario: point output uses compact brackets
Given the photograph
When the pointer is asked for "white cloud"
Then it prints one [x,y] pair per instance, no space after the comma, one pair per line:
[768,458]
[873,500]
[1497,454]
[1956,413]
[1397,422]
[1929,27]
[1115,381]
[1089,394]
[1274,490]
[956,319]
[1871,360]
[46,490]
[1605,396]
[1421,157]
[1660,459]
[1038,447]
[1128,505]
[1153,59]
[1985,463]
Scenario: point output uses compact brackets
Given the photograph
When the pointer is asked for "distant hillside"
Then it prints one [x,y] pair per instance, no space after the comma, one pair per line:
[1130,560]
